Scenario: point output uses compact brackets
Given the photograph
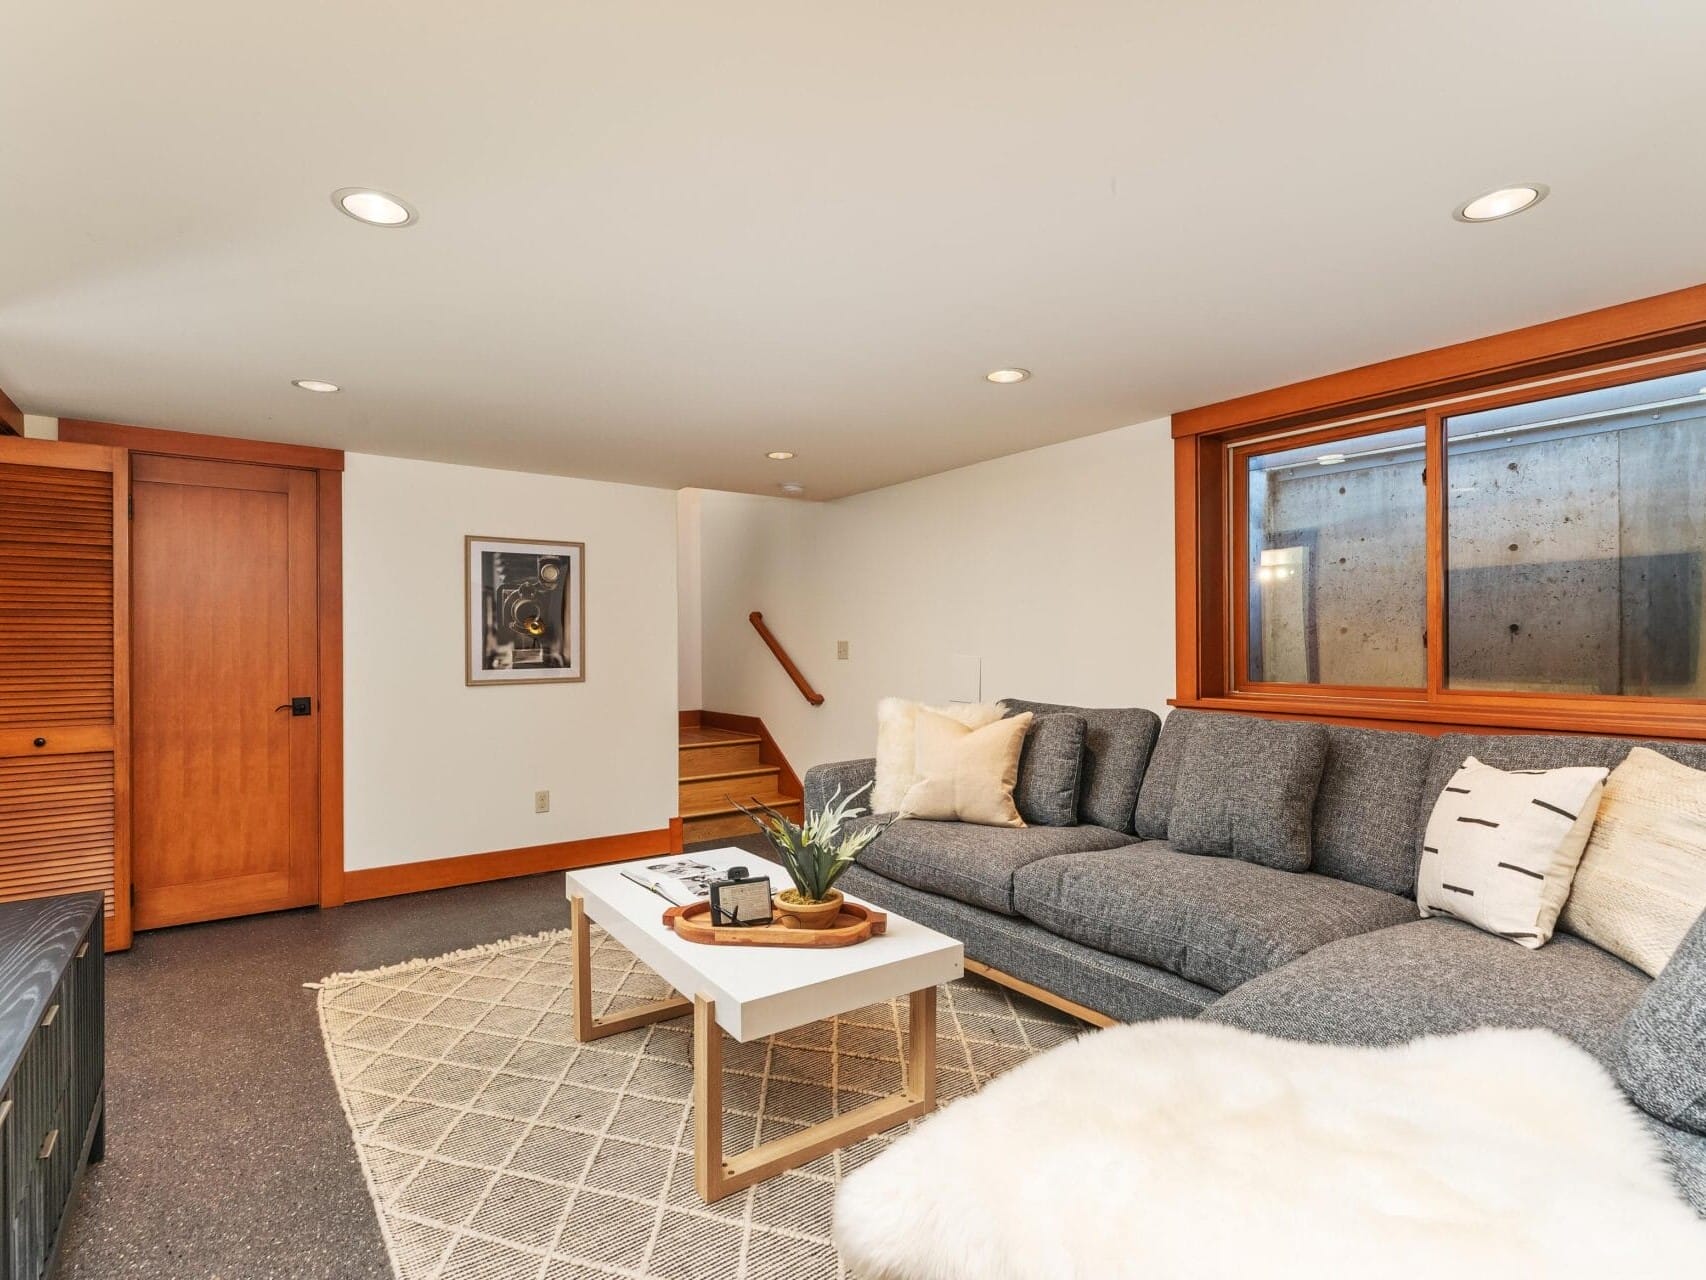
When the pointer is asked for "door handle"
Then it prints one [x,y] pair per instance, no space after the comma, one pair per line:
[297,706]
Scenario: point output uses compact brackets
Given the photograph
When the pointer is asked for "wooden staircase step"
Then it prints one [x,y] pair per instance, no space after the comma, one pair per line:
[698,789]
[718,819]
[703,736]
[698,761]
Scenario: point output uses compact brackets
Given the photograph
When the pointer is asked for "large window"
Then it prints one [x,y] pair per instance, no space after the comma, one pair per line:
[1531,554]
[1576,532]
[1336,563]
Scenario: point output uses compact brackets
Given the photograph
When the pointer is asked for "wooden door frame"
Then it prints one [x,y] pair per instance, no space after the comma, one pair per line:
[11,417]
[328,466]
[50,453]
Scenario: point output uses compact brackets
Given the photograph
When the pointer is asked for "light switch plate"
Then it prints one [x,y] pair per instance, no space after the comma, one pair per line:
[841,648]
[541,802]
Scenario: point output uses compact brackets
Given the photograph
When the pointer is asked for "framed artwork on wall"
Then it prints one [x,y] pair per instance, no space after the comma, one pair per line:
[526,619]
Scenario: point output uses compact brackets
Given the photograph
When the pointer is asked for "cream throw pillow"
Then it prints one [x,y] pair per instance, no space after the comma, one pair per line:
[1501,848]
[968,774]
[1642,881]
[897,754]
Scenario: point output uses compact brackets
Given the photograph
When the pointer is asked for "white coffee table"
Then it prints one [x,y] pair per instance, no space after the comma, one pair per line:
[752,992]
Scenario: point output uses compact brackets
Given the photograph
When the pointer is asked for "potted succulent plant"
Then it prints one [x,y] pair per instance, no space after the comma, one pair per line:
[815,853]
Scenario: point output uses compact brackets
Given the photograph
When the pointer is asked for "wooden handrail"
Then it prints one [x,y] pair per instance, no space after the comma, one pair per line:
[810,694]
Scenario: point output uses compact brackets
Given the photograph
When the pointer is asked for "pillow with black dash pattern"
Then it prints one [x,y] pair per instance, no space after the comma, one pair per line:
[1502,847]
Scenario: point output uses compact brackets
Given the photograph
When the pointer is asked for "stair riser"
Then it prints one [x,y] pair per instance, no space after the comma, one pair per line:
[719,759]
[719,827]
[696,795]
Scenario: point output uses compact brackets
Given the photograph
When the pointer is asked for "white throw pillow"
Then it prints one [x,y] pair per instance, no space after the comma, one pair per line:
[967,775]
[897,749]
[1502,848]
[1642,882]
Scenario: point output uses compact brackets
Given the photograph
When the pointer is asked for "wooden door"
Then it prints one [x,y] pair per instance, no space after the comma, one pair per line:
[64,594]
[225,775]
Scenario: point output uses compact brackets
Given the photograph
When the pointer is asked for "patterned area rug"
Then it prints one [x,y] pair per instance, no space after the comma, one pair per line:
[498,1148]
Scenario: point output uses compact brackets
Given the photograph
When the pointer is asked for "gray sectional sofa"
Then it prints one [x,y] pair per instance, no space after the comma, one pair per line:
[1110,915]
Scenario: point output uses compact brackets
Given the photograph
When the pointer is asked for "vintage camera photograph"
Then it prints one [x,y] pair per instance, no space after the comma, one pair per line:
[526,603]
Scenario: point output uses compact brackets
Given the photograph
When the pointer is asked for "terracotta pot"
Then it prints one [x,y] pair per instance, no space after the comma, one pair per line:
[800,914]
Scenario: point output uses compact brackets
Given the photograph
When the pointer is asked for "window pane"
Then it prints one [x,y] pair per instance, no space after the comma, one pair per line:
[1338,571]
[1576,528]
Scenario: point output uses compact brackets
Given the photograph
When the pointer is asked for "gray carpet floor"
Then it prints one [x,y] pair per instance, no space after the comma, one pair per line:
[228,1157]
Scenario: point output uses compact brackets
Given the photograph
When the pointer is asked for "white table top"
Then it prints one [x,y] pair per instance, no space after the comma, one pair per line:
[762,990]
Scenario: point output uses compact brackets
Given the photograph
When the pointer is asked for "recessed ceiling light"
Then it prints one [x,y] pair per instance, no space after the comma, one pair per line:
[1008,375]
[314,384]
[779,455]
[375,208]
[1330,459]
[1501,203]
[792,489]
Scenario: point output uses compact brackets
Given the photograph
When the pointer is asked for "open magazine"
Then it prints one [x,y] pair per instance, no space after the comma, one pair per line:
[680,880]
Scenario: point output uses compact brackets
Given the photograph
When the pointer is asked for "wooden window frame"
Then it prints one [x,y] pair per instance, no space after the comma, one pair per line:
[1628,343]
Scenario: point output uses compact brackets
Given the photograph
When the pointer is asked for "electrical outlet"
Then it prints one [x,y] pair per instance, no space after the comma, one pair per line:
[841,650]
[541,802]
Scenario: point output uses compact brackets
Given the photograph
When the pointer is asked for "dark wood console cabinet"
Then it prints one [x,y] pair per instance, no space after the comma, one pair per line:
[52,1070]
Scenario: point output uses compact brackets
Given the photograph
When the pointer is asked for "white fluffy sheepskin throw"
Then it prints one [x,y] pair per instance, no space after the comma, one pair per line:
[1187,1149]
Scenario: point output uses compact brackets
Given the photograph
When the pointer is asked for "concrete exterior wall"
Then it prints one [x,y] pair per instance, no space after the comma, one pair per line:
[1369,572]
[1575,566]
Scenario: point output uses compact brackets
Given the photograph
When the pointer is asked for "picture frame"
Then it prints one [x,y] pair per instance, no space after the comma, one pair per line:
[525,611]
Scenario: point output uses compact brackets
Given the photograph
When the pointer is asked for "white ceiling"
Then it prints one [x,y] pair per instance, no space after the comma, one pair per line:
[658,239]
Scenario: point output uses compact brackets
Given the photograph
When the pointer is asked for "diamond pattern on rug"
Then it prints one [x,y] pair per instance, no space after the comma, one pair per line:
[497,1147]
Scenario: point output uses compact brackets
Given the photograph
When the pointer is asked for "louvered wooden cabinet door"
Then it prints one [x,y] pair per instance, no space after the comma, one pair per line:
[64,675]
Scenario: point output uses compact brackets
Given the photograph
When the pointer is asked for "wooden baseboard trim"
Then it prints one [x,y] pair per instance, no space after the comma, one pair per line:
[1082,1012]
[676,832]
[689,719]
[503,864]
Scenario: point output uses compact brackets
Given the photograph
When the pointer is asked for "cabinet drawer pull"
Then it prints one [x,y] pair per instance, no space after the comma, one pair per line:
[50,1015]
[82,950]
[49,1143]
[5,1110]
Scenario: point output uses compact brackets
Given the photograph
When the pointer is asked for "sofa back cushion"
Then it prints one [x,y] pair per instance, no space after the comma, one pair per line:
[1660,1056]
[1117,743]
[1535,751]
[1369,807]
[1049,771]
[1247,791]
[1155,798]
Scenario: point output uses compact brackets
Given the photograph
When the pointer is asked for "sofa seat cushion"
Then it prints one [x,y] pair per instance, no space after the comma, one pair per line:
[1432,977]
[974,864]
[1214,921]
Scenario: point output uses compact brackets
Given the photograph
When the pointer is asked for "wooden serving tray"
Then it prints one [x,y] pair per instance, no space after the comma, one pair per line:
[854,924]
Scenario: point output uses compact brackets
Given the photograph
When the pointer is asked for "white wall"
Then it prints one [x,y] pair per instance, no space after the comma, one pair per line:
[1054,567]
[689,610]
[434,769]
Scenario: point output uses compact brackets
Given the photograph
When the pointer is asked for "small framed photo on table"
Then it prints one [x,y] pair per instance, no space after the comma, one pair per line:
[526,603]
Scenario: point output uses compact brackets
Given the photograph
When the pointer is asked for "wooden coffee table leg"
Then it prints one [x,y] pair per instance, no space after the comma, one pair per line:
[588,1027]
[921,1049]
[716,1175]
[708,1164]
